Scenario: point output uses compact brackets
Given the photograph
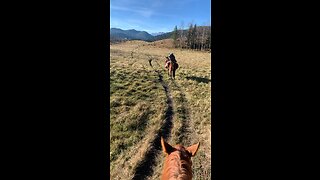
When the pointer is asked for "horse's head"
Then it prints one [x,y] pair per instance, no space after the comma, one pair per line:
[178,162]
[184,153]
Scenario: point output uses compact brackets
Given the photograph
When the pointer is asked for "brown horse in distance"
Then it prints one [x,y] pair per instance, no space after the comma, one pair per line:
[177,165]
[172,67]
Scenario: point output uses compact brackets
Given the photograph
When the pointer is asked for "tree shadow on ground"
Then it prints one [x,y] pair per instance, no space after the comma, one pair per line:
[199,79]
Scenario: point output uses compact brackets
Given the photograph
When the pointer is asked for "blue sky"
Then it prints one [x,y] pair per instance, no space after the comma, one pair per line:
[158,15]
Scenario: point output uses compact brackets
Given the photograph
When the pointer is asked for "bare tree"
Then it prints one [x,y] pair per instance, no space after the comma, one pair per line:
[196,37]
[202,37]
[208,39]
[181,35]
[189,36]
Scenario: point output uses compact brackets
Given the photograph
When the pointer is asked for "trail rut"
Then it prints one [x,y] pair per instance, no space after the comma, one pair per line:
[145,167]
[184,116]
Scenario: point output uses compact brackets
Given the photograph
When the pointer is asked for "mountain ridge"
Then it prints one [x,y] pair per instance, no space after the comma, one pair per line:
[157,33]
[131,34]
[117,34]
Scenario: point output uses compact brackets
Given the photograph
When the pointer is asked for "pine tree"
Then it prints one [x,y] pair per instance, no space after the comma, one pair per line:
[208,40]
[202,38]
[175,36]
[189,36]
[181,35]
[198,38]
[194,37]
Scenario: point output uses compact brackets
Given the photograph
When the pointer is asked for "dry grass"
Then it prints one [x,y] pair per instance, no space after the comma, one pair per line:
[138,103]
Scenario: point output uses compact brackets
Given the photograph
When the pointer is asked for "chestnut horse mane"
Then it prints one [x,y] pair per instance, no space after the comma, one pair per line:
[177,165]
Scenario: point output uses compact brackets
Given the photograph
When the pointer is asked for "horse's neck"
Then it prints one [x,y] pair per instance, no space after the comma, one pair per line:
[177,168]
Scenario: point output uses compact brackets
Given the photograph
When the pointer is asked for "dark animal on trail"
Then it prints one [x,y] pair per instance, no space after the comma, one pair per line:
[177,165]
[172,66]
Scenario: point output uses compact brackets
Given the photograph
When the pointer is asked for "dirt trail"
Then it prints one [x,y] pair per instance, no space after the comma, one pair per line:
[183,113]
[145,167]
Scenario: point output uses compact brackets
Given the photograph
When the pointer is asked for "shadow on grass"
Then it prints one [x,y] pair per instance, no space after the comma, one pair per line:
[199,79]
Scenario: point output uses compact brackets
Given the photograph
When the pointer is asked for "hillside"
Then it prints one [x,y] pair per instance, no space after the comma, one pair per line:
[157,34]
[119,34]
[162,36]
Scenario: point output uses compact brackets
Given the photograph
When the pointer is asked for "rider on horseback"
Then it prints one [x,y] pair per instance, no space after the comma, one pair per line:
[170,58]
[171,65]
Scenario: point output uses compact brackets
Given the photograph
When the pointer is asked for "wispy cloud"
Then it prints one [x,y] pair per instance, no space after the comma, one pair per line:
[141,11]
[137,24]
[145,12]
[157,15]
[128,24]
[157,4]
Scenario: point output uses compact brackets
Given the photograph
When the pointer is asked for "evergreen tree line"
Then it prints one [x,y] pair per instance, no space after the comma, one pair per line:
[198,38]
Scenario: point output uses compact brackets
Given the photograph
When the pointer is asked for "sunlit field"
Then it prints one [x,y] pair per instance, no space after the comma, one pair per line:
[145,103]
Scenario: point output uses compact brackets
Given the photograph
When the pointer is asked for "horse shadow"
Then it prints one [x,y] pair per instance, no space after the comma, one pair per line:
[199,79]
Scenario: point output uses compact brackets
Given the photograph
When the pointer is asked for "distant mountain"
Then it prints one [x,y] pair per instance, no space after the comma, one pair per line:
[119,34]
[157,34]
[162,36]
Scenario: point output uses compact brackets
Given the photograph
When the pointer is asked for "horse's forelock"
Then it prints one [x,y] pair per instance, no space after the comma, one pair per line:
[178,164]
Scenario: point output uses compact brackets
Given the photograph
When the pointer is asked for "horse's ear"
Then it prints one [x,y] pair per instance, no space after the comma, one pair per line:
[193,149]
[167,148]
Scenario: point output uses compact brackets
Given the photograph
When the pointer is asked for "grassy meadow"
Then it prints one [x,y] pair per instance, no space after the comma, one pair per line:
[139,95]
